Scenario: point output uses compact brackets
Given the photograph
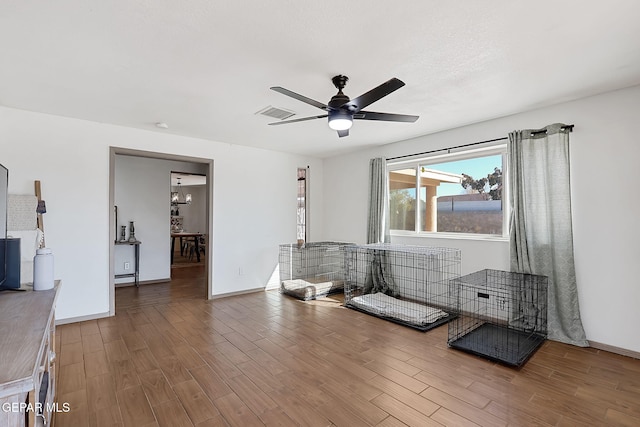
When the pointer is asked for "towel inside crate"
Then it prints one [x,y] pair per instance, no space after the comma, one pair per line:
[311,287]
[407,311]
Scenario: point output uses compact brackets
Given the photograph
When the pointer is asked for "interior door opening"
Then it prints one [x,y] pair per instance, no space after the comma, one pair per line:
[188,221]
[141,188]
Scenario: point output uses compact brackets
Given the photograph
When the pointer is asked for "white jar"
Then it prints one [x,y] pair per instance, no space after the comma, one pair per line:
[43,270]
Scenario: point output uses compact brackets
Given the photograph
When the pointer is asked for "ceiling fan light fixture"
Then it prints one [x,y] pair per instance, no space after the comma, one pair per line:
[340,124]
[341,110]
[340,120]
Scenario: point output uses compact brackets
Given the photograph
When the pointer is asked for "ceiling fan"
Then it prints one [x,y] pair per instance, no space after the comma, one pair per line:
[341,111]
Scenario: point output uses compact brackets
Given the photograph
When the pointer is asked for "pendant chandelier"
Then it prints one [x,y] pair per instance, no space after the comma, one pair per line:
[178,198]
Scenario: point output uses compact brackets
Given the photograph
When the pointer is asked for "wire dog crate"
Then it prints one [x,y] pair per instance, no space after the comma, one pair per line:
[500,315]
[401,283]
[312,270]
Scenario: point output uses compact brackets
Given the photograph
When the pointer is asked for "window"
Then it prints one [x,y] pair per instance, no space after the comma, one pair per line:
[454,193]
[301,212]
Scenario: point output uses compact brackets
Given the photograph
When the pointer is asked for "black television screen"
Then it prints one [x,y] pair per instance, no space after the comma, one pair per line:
[4,182]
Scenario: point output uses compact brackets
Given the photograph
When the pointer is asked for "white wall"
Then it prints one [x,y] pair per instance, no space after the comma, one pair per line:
[254,200]
[141,192]
[605,151]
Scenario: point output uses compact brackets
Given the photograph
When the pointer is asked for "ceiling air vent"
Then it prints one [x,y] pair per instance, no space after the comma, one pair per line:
[276,113]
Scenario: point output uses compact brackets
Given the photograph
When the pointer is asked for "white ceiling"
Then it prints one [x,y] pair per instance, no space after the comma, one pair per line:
[205,67]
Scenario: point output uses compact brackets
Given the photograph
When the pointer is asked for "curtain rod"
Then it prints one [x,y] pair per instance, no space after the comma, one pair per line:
[568,128]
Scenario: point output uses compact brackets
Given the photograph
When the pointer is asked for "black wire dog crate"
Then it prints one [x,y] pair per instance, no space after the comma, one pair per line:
[501,315]
[401,283]
[312,270]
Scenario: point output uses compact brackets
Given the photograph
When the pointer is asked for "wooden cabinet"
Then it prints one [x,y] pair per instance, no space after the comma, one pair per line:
[27,358]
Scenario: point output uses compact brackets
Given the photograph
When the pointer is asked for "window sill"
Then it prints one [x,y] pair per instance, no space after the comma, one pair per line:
[450,236]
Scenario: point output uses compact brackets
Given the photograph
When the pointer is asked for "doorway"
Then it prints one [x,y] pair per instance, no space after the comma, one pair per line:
[139,181]
[188,222]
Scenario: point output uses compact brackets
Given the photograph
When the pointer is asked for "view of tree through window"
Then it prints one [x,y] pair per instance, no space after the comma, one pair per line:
[459,196]
[402,199]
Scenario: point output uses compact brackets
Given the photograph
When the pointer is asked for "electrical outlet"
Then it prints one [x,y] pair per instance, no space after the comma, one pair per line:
[240,271]
[127,265]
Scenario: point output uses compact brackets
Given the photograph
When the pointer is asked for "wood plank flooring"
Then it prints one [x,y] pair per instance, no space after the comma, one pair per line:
[171,358]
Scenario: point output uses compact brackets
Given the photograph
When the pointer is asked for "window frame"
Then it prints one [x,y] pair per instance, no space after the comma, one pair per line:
[495,149]
[302,204]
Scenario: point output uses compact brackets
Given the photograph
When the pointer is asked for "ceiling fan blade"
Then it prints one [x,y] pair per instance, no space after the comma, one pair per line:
[300,97]
[373,95]
[342,133]
[388,117]
[303,119]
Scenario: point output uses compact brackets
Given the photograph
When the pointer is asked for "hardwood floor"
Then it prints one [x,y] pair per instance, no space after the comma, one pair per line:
[171,358]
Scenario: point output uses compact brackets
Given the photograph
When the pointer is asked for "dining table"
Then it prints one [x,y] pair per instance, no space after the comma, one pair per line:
[185,235]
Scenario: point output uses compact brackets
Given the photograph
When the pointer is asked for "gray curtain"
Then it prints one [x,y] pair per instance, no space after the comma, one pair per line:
[378,219]
[540,230]
[379,277]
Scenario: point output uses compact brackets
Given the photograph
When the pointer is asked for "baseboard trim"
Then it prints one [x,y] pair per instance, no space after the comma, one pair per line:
[144,282]
[82,318]
[231,294]
[614,349]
